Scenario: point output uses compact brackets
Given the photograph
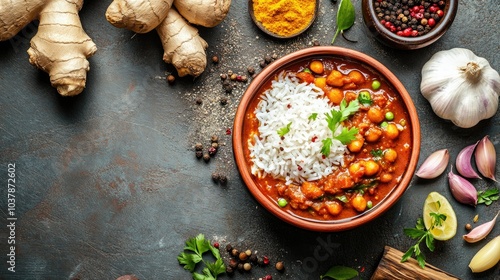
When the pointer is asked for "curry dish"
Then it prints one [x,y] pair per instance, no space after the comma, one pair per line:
[375,159]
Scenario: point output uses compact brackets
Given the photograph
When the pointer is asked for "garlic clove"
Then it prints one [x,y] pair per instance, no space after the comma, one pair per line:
[434,165]
[461,189]
[486,158]
[480,232]
[463,162]
[487,257]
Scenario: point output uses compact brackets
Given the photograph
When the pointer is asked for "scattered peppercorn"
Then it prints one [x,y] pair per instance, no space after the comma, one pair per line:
[228,88]
[243,256]
[247,266]
[223,101]
[216,245]
[229,247]
[212,151]
[235,252]
[468,227]
[199,101]
[229,72]
[223,76]
[274,56]
[206,157]
[215,176]
[229,270]
[262,64]
[222,179]
[280,266]
[251,70]
[233,77]
[240,267]
[268,59]
[316,43]
[215,59]
[199,154]
[198,146]
[170,79]
[214,139]
[215,145]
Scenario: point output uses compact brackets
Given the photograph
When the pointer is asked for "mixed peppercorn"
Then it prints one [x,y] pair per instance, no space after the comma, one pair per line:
[409,18]
[243,261]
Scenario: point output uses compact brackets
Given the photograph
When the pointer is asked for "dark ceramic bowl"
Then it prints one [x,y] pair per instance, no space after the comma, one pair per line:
[255,90]
[390,39]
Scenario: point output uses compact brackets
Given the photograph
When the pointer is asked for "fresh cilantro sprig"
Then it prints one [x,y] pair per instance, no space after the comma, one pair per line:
[420,233]
[488,196]
[193,254]
[334,119]
[284,130]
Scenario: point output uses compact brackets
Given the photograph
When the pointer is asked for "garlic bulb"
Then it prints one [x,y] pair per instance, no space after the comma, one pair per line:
[460,86]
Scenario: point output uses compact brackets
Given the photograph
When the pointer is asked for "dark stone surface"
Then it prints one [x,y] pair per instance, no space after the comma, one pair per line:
[108,183]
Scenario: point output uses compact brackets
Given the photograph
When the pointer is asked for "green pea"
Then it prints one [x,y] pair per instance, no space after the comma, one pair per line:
[369,204]
[282,202]
[364,97]
[389,116]
[384,124]
[375,85]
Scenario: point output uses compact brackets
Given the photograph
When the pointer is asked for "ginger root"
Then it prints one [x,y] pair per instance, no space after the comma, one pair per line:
[60,47]
[183,47]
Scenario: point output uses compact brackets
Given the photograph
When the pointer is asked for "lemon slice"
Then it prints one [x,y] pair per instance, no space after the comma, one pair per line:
[436,203]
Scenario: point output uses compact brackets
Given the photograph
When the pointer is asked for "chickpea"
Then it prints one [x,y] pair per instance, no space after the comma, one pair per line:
[371,168]
[333,207]
[391,131]
[320,82]
[356,145]
[356,169]
[356,77]
[335,95]
[386,178]
[390,155]
[373,134]
[316,66]
[375,115]
[335,79]
[359,203]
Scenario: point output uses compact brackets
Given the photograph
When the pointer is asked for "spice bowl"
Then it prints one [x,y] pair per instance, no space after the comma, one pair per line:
[264,188]
[302,25]
[381,28]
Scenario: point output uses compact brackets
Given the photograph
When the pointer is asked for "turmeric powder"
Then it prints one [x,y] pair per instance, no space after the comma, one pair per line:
[284,17]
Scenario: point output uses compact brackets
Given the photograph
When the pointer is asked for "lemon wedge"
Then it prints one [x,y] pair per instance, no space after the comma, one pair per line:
[436,203]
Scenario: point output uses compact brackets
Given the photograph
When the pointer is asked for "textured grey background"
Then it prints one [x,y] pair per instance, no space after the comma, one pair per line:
[108,184]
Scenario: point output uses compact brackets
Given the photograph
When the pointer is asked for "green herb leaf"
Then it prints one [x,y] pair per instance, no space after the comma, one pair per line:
[488,196]
[327,143]
[420,233]
[342,198]
[348,110]
[198,246]
[347,135]
[340,273]
[345,17]
[284,130]
[313,116]
[377,153]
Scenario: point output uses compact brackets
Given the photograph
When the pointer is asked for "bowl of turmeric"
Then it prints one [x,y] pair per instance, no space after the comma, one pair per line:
[283,19]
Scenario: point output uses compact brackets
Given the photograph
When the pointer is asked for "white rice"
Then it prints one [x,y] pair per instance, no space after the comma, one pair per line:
[287,101]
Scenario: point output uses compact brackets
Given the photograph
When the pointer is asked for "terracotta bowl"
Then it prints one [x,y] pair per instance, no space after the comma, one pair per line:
[255,90]
[382,34]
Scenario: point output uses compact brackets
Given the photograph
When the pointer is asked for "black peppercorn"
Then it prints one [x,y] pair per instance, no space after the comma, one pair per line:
[215,176]
[268,59]
[223,101]
[199,101]
[229,247]
[199,154]
[222,179]
[251,70]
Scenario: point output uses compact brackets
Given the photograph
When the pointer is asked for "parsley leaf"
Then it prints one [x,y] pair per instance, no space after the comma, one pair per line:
[488,196]
[198,246]
[334,118]
[284,130]
[420,233]
[313,116]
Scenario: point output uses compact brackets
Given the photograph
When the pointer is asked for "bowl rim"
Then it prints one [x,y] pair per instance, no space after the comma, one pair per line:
[413,42]
[253,90]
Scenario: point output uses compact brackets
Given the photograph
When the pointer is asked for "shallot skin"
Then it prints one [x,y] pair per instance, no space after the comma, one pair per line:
[486,158]
[463,162]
